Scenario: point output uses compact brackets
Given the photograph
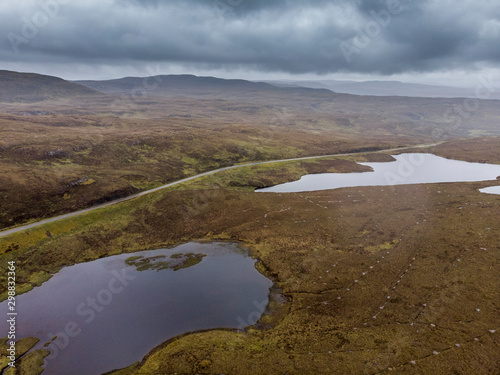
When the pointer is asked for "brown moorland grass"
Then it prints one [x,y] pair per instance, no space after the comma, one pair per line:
[52,164]
[436,262]
[57,156]
[29,361]
[337,256]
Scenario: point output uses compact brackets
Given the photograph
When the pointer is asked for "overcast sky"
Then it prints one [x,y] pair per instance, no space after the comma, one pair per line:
[433,41]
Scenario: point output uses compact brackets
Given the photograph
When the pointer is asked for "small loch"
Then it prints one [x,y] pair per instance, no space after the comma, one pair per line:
[491,190]
[109,313]
[410,168]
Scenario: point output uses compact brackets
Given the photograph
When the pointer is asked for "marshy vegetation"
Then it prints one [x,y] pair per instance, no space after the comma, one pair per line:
[177,261]
[400,277]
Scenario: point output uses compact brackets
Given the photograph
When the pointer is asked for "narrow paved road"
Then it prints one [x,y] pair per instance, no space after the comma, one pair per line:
[75,213]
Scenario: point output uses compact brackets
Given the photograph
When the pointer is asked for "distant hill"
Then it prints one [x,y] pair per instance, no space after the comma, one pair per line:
[217,88]
[186,85]
[387,88]
[30,87]
[287,103]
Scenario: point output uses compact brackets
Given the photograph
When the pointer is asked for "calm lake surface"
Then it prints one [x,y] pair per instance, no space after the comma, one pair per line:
[110,312]
[491,190]
[407,169]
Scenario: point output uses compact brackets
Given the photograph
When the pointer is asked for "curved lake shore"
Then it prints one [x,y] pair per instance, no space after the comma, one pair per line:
[109,313]
[411,168]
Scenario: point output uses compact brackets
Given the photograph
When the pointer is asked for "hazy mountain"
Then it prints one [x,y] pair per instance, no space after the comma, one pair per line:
[287,105]
[187,85]
[29,87]
[388,88]
[217,88]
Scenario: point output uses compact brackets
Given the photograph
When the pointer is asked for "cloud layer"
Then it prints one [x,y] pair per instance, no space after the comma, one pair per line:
[293,36]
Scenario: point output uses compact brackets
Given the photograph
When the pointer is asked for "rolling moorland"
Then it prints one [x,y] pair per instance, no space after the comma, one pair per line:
[336,255]
[84,147]
[393,88]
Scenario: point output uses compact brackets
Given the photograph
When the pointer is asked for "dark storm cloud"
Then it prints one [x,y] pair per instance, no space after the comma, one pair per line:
[233,6]
[321,36]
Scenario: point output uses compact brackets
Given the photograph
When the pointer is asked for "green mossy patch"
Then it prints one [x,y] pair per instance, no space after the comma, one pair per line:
[27,363]
[177,261]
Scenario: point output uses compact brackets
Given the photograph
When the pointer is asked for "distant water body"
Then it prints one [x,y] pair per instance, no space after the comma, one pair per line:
[411,168]
[491,190]
[110,312]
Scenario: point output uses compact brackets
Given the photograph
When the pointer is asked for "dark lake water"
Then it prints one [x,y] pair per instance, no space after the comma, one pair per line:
[409,168]
[110,312]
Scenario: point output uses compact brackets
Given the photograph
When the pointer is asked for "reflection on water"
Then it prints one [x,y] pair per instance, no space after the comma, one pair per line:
[109,313]
[407,169]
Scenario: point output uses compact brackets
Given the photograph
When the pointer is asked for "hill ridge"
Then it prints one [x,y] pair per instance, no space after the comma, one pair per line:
[34,87]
